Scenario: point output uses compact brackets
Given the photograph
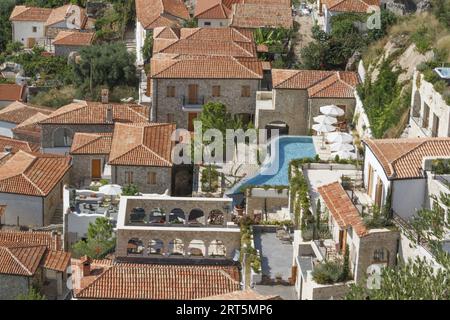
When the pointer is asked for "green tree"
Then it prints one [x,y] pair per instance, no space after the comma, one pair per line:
[130,190]
[106,65]
[147,49]
[416,279]
[214,115]
[100,240]
[33,294]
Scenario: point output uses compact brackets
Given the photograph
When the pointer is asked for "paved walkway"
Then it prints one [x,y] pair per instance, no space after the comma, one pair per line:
[285,292]
[276,257]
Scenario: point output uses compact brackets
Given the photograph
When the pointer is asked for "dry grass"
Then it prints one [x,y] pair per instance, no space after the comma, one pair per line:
[444,44]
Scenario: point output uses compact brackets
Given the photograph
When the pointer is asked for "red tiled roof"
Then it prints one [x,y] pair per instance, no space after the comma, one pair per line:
[205,41]
[18,112]
[160,13]
[144,144]
[207,67]
[91,143]
[17,145]
[57,260]
[360,6]
[95,113]
[341,208]
[11,92]
[156,282]
[9,237]
[212,9]
[64,12]
[24,13]
[259,14]
[31,126]
[402,158]
[32,174]
[73,38]
[21,261]
[320,84]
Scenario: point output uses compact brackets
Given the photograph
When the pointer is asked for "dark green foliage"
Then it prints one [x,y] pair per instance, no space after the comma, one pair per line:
[328,272]
[33,294]
[100,240]
[130,190]
[107,65]
[441,9]
[6,7]
[210,179]
[147,49]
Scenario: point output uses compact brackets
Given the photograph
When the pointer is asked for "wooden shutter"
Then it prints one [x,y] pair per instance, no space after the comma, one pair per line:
[216,91]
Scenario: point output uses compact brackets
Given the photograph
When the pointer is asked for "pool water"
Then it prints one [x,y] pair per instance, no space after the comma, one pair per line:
[289,148]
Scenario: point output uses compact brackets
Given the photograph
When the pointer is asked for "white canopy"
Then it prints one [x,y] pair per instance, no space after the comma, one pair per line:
[325,119]
[341,147]
[322,127]
[332,110]
[339,137]
[344,155]
[110,189]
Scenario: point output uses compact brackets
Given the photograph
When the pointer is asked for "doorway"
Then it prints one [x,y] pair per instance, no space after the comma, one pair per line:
[193,94]
[191,118]
[96,169]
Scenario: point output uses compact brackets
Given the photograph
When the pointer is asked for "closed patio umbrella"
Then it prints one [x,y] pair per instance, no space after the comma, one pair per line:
[344,155]
[335,147]
[325,119]
[339,137]
[332,110]
[111,189]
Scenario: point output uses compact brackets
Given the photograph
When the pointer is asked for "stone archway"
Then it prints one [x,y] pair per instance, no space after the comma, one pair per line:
[135,247]
[197,248]
[155,247]
[217,249]
[176,247]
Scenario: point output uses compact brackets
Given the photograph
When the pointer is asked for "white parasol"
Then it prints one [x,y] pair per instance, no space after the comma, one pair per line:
[341,147]
[325,119]
[344,155]
[332,110]
[339,137]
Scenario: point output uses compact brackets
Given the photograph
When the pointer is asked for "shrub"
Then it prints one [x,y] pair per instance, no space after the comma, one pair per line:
[328,272]
[130,190]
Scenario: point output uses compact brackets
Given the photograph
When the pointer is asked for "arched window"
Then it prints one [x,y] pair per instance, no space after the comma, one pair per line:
[62,137]
[176,247]
[196,248]
[135,246]
[155,247]
[217,249]
[176,216]
[156,216]
[196,216]
[216,217]
[380,255]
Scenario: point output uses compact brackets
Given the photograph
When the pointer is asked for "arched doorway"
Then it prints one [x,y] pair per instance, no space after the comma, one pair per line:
[176,247]
[177,216]
[155,247]
[135,247]
[217,249]
[196,216]
[196,248]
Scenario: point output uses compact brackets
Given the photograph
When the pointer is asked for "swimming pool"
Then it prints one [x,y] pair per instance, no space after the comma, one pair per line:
[275,171]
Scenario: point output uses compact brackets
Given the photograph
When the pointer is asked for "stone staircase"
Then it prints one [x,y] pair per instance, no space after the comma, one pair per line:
[57,216]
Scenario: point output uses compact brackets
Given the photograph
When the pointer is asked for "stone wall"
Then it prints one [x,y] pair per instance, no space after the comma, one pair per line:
[54,199]
[188,236]
[140,178]
[230,91]
[12,286]
[48,131]
[291,107]
[269,204]
[81,172]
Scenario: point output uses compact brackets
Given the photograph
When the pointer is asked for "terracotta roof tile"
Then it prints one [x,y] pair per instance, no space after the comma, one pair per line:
[32,174]
[22,261]
[9,237]
[60,14]
[145,144]
[360,6]
[57,260]
[24,13]
[17,145]
[95,113]
[73,38]
[262,14]
[11,92]
[341,208]
[402,158]
[91,143]
[155,13]
[31,127]
[18,112]
[156,282]
[320,84]
[212,9]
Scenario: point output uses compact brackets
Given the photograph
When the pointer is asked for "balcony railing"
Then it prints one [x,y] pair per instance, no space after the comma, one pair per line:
[189,103]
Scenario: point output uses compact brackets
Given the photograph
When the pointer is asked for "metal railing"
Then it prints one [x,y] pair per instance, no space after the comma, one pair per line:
[410,233]
[187,101]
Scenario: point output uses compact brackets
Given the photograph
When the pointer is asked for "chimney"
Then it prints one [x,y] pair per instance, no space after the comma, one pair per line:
[86,266]
[109,114]
[56,241]
[105,96]
[8,149]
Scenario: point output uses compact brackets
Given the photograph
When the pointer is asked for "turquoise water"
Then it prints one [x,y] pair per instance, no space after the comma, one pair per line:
[289,148]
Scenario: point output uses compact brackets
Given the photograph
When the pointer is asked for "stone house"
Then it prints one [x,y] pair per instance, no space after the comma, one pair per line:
[67,42]
[213,13]
[397,169]
[369,249]
[151,14]
[9,93]
[329,9]
[297,96]
[430,113]
[33,25]
[114,280]
[32,260]
[191,67]
[31,187]
[58,129]
[16,113]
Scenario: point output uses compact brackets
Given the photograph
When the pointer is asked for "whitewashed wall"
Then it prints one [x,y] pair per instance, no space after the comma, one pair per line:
[22,30]
[408,196]
[27,208]
[378,171]
[5,129]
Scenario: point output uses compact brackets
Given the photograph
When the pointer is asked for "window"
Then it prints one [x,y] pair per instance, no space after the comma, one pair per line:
[128,177]
[380,255]
[170,92]
[151,178]
[170,118]
[216,91]
[245,91]
[34,29]
[62,137]
[207,23]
